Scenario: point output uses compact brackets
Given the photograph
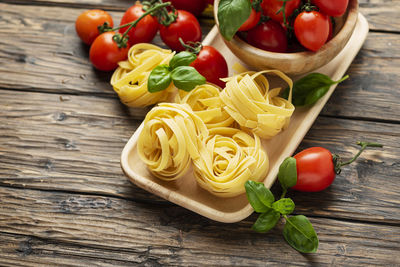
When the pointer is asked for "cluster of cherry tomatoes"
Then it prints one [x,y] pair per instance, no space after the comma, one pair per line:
[112,46]
[272,21]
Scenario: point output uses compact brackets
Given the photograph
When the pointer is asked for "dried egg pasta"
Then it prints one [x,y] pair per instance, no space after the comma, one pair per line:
[170,138]
[130,78]
[228,158]
[251,102]
[206,103]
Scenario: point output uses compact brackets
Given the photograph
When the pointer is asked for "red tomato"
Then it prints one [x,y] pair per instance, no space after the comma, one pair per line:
[315,169]
[210,2]
[186,27]
[105,54]
[212,65]
[311,29]
[268,36]
[196,7]
[252,21]
[333,8]
[86,24]
[145,30]
[271,7]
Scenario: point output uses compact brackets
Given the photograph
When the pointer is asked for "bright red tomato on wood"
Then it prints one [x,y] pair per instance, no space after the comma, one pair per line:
[86,24]
[315,169]
[105,54]
[186,27]
[269,36]
[311,29]
[252,21]
[212,65]
[271,7]
[144,31]
[333,8]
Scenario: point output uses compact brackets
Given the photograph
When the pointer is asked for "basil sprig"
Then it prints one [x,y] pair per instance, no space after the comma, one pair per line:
[310,88]
[298,231]
[231,15]
[178,71]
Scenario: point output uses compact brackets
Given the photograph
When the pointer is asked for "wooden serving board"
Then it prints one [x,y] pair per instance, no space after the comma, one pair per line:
[185,191]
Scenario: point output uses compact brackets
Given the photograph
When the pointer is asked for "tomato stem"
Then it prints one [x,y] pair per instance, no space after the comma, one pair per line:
[148,11]
[192,47]
[123,40]
[338,163]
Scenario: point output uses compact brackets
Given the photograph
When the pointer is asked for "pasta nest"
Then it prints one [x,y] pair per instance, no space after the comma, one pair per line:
[130,79]
[206,103]
[228,158]
[171,137]
[251,103]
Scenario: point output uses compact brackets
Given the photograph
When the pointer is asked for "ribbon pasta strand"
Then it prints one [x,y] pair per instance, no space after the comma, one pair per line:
[251,102]
[130,78]
[206,103]
[228,158]
[170,138]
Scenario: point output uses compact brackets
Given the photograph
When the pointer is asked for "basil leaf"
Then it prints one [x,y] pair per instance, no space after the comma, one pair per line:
[287,174]
[266,221]
[260,197]
[159,79]
[300,234]
[284,206]
[183,58]
[231,15]
[310,88]
[186,77]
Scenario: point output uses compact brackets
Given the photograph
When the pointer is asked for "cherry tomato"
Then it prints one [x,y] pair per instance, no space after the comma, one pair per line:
[145,30]
[86,24]
[271,7]
[105,54]
[268,36]
[212,65]
[311,29]
[196,7]
[252,21]
[186,27]
[315,169]
[210,2]
[334,8]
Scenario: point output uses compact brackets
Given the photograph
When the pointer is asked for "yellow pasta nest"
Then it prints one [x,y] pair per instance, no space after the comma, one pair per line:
[228,158]
[130,78]
[255,106]
[206,103]
[170,138]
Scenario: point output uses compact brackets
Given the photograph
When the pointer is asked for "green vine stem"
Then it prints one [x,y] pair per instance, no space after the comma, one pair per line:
[122,40]
[338,163]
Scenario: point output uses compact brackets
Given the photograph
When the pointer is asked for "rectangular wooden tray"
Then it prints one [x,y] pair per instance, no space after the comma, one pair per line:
[185,191]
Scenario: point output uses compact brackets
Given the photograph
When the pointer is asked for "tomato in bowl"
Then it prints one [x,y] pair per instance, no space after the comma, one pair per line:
[299,62]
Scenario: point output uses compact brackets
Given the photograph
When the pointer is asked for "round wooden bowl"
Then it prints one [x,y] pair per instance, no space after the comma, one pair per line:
[299,62]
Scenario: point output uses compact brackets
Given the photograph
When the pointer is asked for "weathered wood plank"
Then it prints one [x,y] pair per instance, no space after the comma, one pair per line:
[75,145]
[381,14]
[55,226]
[56,61]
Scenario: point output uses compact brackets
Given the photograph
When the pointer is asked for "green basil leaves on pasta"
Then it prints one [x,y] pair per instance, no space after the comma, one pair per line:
[178,71]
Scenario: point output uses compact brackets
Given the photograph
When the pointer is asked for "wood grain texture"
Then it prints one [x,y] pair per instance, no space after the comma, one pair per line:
[121,232]
[381,14]
[75,145]
[57,62]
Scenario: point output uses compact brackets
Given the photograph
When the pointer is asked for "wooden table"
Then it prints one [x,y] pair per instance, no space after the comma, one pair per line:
[65,201]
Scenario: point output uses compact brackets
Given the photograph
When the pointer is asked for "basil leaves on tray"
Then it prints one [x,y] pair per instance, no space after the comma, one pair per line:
[310,88]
